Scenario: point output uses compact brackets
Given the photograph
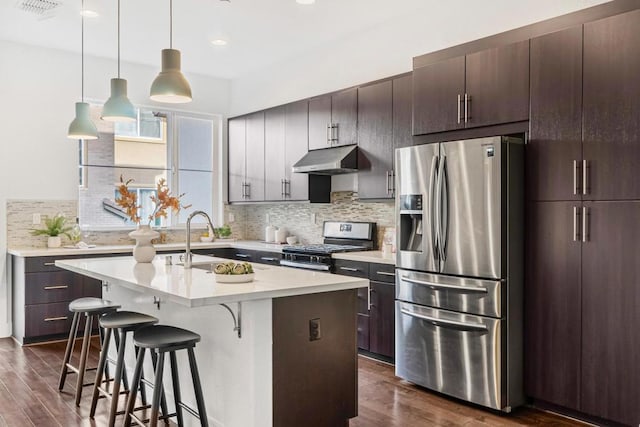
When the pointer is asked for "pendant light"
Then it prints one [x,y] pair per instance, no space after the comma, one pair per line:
[118,108]
[82,127]
[171,86]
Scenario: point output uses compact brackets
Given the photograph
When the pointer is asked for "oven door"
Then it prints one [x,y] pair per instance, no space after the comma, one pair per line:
[452,353]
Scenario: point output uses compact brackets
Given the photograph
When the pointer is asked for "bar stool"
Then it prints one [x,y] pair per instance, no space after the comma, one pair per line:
[91,308]
[166,339]
[124,322]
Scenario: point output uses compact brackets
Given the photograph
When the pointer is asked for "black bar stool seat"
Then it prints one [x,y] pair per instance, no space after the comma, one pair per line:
[162,339]
[92,308]
[123,321]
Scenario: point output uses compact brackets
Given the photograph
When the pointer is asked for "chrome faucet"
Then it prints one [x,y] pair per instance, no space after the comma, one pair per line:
[187,254]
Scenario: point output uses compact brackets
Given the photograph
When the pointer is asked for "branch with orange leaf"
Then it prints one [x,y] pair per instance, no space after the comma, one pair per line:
[128,201]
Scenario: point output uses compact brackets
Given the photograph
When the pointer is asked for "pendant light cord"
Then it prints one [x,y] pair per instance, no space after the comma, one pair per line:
[82,51]
[170,24]
[118,38]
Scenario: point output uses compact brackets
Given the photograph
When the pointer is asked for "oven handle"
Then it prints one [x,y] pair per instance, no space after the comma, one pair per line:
[452,324]
[321,267]
[469,289]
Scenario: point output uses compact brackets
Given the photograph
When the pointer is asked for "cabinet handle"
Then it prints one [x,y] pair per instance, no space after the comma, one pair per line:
[467,100]
[385,273]
[585,177]
[248,187]
[388,186]
[369,299]
[576,235]
[243,194]
[243,256]
[329,127]
[269,259]
[287,188]
[585,221]
[458,104]
[576,187]
[49,263]
[55,319]
[349,269]
[282,191]
[49,288]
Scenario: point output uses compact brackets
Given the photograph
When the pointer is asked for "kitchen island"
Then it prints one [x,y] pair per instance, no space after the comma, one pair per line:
[261,362]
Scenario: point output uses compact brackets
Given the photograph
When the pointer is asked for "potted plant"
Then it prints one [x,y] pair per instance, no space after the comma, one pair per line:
[223,232]
[53,227]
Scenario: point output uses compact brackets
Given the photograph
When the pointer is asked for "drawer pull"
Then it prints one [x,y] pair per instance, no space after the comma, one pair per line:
[55,319]
[468,289]
[243,256]
[49,263]
[385,273]
[349,269]
[269,259]
[49,288]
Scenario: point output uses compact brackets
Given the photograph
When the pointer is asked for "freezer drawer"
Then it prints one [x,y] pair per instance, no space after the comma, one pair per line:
[452,353]
[474,296]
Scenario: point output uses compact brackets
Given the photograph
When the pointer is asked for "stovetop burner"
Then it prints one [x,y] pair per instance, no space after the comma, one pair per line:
[322,248]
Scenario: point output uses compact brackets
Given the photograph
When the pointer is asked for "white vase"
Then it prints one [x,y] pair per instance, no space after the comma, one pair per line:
[144,250]
[54,242]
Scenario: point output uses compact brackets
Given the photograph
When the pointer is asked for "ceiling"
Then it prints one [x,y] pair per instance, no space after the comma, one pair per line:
[260,32]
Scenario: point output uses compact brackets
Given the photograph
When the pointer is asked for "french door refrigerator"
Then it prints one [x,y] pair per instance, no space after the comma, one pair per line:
[459,214]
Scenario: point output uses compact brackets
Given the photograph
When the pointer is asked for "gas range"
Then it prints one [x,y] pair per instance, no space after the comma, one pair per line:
[338,237]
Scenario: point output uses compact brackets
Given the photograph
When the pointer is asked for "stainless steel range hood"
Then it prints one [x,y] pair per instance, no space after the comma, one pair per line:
[329,161]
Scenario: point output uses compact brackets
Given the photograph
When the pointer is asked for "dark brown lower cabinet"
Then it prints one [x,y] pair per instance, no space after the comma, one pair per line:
[552,305]
[382,319]
[582,307]
[610,387]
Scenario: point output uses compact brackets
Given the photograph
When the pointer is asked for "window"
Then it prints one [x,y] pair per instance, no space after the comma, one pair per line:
[176,147]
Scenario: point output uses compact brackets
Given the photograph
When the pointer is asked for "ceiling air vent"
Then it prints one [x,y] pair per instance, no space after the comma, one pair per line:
[41,8]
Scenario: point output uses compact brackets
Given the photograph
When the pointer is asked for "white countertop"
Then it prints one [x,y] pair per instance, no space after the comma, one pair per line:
[196,287]
[366,256]
[116,249]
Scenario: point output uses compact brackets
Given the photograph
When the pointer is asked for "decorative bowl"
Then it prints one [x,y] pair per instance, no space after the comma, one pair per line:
[234,278]
[292,240]
[206,239]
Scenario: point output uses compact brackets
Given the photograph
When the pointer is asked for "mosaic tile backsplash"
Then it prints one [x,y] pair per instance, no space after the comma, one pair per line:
[249,222]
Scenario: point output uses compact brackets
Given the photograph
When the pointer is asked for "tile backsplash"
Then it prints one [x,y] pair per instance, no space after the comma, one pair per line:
[249,222]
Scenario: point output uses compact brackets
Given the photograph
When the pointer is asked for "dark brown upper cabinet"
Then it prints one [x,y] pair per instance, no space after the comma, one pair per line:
[484,88]
[384,124]
[611,107]
[554,151]
[274,152]
[246,158]
[296,144]
[333,119]
[375,141]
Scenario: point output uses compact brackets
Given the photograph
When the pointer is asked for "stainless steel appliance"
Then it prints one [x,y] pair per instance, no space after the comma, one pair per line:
[338,237]
[459,213]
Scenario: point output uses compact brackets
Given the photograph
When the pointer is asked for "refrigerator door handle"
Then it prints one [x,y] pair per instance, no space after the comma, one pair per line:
[433,201]
[467,289]
[451,324]
[444,209]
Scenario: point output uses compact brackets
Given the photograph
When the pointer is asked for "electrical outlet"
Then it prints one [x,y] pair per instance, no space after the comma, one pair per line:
[314,330]
[313,218]
[232,217]
[36,219]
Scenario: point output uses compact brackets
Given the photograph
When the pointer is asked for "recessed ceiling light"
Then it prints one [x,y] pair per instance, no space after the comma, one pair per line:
[219,42]
[89,13]
[305,1]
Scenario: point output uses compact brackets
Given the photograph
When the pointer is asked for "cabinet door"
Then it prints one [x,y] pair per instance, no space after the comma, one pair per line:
[497,82]
[610,314]
[375,141]
[436,90]
[237,149]
[297,144]
[319,122]
[554,151]
[255,157]
[611,142]
[402,110]
[552,304]
[382,319]
[274,153]
[344,117]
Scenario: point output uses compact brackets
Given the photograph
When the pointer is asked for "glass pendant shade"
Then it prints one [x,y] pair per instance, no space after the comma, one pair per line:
[170,86]
[118,108]
[82,127]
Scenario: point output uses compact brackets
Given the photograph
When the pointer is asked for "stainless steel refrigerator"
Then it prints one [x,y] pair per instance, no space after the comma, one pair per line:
[459,259]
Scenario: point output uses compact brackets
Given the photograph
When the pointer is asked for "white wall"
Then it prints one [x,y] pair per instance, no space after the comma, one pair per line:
[38,89]
[388,49]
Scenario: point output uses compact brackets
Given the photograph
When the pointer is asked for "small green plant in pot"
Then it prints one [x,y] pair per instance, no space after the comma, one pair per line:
[53,227]
[223,232]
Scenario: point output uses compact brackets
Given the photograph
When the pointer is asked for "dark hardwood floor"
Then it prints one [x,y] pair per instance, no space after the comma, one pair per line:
[29,396]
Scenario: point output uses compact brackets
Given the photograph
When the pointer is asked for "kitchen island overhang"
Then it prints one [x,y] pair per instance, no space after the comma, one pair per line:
[279,372]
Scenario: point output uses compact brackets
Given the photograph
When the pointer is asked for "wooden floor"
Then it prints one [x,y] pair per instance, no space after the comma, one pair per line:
[29,397]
